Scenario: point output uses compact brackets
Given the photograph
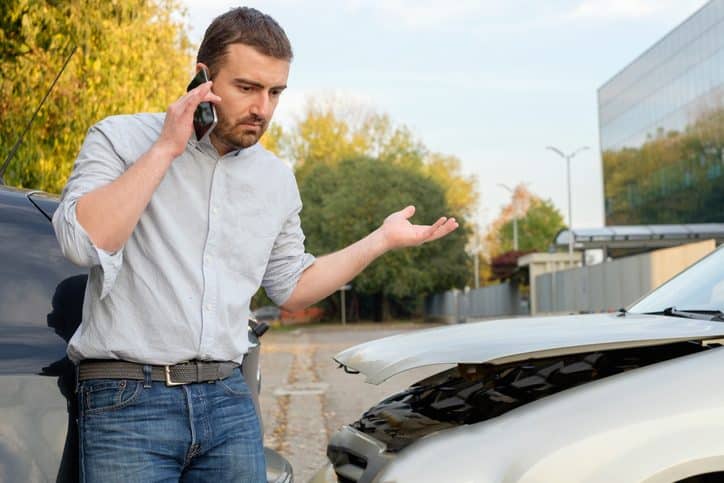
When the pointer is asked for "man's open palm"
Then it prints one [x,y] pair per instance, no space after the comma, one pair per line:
[399,232]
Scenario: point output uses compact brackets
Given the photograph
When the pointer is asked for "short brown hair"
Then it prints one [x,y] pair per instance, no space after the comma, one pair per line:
[243,25]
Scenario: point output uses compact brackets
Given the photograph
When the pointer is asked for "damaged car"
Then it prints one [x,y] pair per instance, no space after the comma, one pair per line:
[633,396]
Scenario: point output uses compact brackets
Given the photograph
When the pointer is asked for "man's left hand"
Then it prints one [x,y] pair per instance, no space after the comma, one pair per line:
[330,272]
[398,232]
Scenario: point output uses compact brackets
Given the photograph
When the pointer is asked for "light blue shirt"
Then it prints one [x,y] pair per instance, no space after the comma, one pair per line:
[215,230]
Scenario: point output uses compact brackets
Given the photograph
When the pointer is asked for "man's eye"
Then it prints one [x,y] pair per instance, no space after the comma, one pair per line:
[245,88]
[276,93]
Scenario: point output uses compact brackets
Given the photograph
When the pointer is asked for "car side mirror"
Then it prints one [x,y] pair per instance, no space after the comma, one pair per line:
[258,328]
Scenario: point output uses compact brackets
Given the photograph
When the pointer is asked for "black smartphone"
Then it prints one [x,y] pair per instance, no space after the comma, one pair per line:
[205,115]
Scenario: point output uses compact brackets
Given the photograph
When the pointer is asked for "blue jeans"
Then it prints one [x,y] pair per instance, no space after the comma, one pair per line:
[143,431]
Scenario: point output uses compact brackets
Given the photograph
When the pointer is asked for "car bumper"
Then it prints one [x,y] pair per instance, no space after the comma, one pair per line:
[324,475]
[278,469]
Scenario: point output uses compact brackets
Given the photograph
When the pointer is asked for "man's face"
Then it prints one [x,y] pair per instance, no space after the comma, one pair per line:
[249,84]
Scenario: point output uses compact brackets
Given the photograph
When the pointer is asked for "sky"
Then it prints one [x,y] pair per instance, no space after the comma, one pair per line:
[492,82]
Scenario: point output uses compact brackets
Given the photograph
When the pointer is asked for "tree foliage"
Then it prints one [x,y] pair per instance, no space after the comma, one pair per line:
[459,190]
[355,166]
[344,203]
[536,228]
[321,138]
[331,131]
[538,223]
[133,56]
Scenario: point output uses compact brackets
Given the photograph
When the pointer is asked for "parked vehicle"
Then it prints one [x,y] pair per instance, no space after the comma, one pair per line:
[268,313]
[634,396]
[41,303]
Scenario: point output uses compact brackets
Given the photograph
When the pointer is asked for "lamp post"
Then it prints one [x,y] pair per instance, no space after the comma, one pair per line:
[515,215]
[476,261]
[568,158]
[475,248]
[343,308]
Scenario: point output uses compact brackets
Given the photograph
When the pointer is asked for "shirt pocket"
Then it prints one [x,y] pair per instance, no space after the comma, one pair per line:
[246,250]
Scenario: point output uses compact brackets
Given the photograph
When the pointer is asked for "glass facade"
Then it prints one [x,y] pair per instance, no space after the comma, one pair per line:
[661,122]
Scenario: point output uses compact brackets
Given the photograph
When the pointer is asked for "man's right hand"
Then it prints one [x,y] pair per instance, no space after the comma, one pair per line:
[109,213]
[179,126]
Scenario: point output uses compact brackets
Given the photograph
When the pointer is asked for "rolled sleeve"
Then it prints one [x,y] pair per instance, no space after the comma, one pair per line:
[97,165]
[287,260]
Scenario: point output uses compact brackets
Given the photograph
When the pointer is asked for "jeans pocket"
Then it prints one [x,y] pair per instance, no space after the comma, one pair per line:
[235,385]
[102,395]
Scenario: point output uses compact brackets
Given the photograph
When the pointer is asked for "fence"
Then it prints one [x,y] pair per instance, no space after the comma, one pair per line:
[457,306]
[612,285]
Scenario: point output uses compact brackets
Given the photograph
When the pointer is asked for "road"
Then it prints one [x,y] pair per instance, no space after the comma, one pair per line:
[305,397]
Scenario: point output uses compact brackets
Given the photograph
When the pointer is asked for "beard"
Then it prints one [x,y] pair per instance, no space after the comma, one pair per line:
[241,133]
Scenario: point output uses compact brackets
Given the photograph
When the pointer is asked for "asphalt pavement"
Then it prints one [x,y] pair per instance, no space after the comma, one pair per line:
[305,397]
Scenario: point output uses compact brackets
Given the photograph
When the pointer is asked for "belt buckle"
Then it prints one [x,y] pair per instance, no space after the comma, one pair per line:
[169,382]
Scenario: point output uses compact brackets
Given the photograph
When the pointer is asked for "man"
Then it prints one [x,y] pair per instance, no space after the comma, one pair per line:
[179,235]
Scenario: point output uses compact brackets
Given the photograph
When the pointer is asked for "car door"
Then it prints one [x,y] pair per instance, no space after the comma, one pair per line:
[41,298]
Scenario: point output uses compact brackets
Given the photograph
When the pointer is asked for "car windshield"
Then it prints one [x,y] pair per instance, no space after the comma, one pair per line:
[699,288]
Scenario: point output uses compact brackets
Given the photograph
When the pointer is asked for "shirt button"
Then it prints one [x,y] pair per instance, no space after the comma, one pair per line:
[208,306]
[213,210]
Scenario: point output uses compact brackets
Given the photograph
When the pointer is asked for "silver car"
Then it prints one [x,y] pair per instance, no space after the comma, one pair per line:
[633,396]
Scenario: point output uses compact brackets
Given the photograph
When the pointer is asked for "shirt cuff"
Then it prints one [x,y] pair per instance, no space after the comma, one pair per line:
[110,262]
[283,290]
[111,265]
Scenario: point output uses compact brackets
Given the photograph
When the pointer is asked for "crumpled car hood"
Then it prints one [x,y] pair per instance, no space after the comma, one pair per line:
[509,340]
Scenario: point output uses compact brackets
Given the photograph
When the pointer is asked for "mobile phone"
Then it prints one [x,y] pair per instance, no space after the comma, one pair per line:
[205,115]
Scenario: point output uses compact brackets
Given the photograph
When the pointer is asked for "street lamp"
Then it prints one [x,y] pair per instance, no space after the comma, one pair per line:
[343,308]
[476,257]
[515,215]
[568,158]
[476,248]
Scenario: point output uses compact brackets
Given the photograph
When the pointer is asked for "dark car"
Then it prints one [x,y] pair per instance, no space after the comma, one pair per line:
[269,313]
[41,304]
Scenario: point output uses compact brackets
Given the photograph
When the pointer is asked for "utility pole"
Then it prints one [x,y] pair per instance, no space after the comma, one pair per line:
[343,305]
[476,255]
[515,214]
[476,248]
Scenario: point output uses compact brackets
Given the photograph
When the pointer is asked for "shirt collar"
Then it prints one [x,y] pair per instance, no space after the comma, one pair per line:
[205,145]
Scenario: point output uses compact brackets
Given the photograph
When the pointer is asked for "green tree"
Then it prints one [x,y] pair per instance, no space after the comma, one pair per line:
[133,56]
[273,139]
[330,131]
[538,222]
[522,198]
[460,191]
[344,203]
[536,228]
[322,137]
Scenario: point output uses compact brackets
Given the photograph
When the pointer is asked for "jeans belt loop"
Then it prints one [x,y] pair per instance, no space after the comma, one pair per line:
[147,376]
[77,377]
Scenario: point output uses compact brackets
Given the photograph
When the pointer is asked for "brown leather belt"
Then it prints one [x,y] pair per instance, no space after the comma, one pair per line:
[175,375]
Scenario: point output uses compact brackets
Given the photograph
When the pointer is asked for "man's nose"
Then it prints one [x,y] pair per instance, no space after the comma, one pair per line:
[261,104]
